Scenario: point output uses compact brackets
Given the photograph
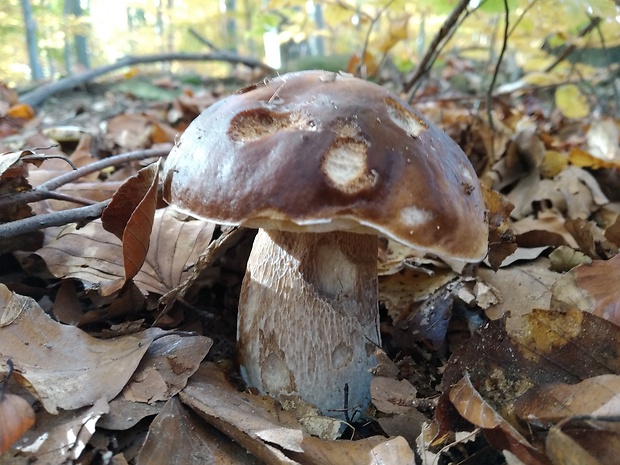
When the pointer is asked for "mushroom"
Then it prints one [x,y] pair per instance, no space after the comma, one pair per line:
[322,163]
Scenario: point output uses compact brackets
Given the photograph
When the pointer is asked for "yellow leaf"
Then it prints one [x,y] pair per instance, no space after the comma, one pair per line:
[553,163]
[398,32]
[537,78]
[21,110]
[571,101]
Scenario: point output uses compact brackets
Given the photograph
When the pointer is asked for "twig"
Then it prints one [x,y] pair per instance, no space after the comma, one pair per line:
[497,67]
[609,68]
[60,218]
[41,192]
[67,198]
[37,157]
[358,68]
[594,22]
[37,96]
[202,40]
[422,68]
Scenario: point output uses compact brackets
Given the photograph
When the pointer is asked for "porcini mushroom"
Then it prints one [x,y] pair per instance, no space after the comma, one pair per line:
[322,163]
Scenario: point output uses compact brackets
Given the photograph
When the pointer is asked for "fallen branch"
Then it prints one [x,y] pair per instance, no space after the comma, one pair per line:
[42,191]
[60,218]
[37,96]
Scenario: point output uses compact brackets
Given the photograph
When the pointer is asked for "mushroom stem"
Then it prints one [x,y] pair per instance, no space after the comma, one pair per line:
[308,318]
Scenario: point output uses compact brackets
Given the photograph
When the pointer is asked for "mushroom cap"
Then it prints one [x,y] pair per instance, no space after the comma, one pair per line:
[317,151]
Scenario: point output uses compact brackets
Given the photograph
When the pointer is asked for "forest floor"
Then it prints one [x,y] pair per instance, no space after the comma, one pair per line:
[515,361]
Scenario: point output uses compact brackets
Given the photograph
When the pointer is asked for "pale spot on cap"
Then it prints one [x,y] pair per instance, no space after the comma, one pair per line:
[414,216]
[345,167]
[407,120]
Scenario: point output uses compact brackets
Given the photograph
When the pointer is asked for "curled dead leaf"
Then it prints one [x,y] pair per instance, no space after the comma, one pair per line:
[130,214]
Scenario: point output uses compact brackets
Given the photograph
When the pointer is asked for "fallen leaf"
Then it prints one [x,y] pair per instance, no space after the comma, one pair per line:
[62,365]
[542,347]
[571,101]
[587,287]
[166,366]
[274,435]
[563,450]
[59,439]
[93,255]
[409,286]
[177,436]
[124,414]
[602,138]
[522,288]
[501,237]
[547,404]
[500,434]
[130,214]
[16,414]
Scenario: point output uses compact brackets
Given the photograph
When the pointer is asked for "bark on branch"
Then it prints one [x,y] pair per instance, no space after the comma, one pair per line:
[37,96]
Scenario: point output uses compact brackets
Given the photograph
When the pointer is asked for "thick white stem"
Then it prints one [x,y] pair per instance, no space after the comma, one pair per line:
[308,317]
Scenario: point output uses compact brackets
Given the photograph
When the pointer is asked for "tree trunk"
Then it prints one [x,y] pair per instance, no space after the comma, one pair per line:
[31,39]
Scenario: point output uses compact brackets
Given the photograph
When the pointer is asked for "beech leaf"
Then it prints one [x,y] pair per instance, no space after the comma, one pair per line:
[130,214]
[65,367]
[93,255]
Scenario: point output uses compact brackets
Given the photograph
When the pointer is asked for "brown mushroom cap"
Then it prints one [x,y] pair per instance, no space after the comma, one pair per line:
[316,151]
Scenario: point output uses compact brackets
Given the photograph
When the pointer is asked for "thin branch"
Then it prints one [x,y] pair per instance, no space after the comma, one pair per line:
[202,40]
[441,34]
[41,192]
[60,218]
[37,96]
[67,198]
[521,16]
[37,157]
[594,22]
[497,67]
[374,21]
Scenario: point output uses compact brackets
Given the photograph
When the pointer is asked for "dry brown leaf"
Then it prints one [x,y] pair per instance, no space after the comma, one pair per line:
[60,439]
[125,414]
[546,229]
[274,435]
[63,366]
[409,286]
[573,191]
[501,237]
[166,366]
[429,322]
[500,434]
[178,437]
[93,255]
[522,287]
[564,259]
[130,214]
[16,416]
[550,403]
[130,131]
[589,288]
[67,307]
[584,442]
[390,395]
[395,400]
[612,233]
[545,347]
[563,450]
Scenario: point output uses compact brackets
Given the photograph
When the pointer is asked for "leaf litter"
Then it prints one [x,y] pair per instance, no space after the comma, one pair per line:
[516,358]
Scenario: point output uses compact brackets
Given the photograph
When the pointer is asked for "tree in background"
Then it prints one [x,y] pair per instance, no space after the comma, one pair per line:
[73,11]
[36,71]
